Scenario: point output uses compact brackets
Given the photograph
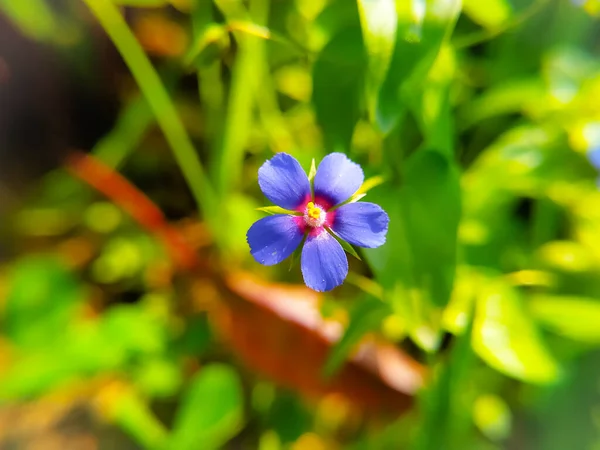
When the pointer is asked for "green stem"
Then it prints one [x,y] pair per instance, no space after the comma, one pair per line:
[244,87]
[157,97]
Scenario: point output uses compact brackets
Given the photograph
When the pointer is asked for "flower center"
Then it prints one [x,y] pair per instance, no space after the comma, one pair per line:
[314,216]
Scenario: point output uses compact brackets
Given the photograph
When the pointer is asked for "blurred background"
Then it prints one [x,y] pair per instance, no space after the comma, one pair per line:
[132,315]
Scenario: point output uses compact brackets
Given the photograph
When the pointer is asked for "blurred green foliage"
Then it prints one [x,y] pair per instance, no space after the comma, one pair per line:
[481,119]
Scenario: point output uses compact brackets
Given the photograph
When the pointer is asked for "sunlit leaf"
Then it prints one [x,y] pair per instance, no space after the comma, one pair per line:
[379,21]
[412,60]
[489,14]
[506,338]
[313,170]
[142,3]
[213,36]
[492,416]
[124,407]
[276,210]
[369,184]
[576,318]
[34,17]
[212,410]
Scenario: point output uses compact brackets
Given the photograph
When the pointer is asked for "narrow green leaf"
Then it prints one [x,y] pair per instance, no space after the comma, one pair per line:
[369,184]
[35,18]
[313,170]
[243,92]
[211,412]
[366,285]
[345,245]
[297,254]
[277,210]
[158,99]
[506,338]
[379,21]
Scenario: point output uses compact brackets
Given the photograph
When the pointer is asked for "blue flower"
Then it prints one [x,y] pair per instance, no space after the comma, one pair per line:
[315,213]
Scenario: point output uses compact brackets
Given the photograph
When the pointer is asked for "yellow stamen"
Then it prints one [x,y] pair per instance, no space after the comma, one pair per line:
[314,212]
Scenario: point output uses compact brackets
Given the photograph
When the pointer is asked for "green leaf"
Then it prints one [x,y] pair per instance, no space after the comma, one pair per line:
[142,3]
[338,80]
[42,299]
[297,254]
[369,184]
[212,410]
[431,208]
[492,416]
[345,245]
[313,170]
[576,318]
[365,316]
[379,20]
[35,18]
[207,45]
[489,14]
[277,210]
[131,413]
[506,338]
[362,191]
[412,60]
[417,265]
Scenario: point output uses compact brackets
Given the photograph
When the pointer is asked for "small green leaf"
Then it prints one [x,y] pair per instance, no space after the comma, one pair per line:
[506,338]
[347,247]
[313,170]
[212,410]
[277,210]
[369,184]
[296,255]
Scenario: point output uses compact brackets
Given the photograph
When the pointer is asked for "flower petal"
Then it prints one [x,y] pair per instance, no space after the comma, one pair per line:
[274,238]
[337,178]
[362,223]
[324,263]
[283,181]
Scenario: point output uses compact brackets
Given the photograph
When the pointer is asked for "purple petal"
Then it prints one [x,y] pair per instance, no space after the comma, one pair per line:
[283,181]
[337,178]
[274,238]
[324,263]
[362,223]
